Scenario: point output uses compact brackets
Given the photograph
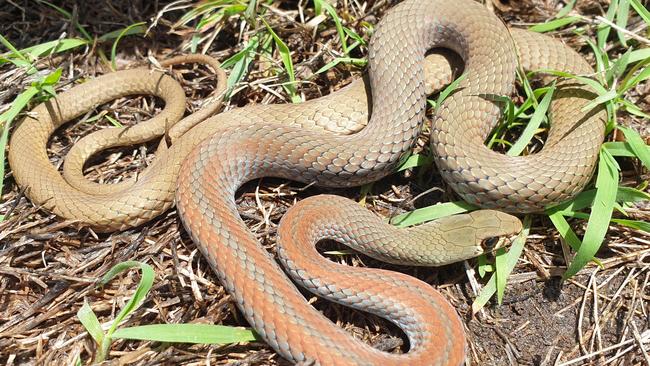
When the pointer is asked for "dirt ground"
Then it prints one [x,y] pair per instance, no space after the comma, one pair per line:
[49,266]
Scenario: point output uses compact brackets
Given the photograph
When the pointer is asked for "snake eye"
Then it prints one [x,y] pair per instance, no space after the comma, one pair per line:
[490,244]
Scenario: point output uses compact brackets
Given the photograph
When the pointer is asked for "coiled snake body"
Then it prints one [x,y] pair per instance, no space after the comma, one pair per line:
[288,141]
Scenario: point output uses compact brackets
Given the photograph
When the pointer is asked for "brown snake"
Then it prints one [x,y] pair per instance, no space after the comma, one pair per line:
[288,141]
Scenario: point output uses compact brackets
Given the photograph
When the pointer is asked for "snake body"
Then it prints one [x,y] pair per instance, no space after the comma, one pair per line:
[208,163]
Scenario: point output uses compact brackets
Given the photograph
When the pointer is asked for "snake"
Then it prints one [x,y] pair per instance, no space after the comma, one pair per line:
[348,138]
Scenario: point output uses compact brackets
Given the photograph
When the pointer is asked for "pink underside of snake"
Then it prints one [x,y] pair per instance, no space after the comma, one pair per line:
[289,141]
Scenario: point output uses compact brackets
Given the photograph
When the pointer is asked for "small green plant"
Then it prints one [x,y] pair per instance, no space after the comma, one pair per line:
[41,89]
[345,35]
[285,54]
[169,333]
[210,17]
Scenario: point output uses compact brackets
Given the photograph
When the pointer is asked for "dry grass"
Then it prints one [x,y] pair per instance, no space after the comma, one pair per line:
[49,266]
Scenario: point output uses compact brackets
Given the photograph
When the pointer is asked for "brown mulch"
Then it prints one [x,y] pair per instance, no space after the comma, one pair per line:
[48,266]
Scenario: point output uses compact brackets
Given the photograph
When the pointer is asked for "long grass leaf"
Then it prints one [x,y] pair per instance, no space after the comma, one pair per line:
[622,14]
[89,320]
[564,229]
[187,333]
[415,160]
[321,4]
[140,294]
[538,117]
[508,266]
[429,213]
[601,212]
[140,27]
[602,32]
[641,10]
[637,145]
[285,54]
[622,148]
[566,9]
[601,99]
[554,24]
[360,62]
[444,94]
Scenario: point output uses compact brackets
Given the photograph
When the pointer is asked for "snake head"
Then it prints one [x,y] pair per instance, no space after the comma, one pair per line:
[477,232]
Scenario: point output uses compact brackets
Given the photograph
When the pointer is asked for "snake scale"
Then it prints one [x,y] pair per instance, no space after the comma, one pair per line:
[324,141]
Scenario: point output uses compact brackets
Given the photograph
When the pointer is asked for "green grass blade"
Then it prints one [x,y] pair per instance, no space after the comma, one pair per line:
[18,105]
[133,29]
[240,63]
[319,5]
[601,213]
[250,14]
[508,265]
[48,48]
[624,196]
[140,293]
[501,272]
[199,10]
[601,99]
[359,62]
[449,89]
[602,33]
[633,109]
[565,230]
[566,9]
[137,28]
[641,10]
[358,40]
[285,54]
[416,160]
[187,333]
[585,80]
[639,55]
[483,266]
[634,224]
[89,320]
[555,24]
[635,80]
[637,145]
[538,117]
[602,63]
[634,76]
[53,77]
[622,14]
[530,93]
[618,67]
[429,213]
[24,62]
[619,148]
[113,121]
